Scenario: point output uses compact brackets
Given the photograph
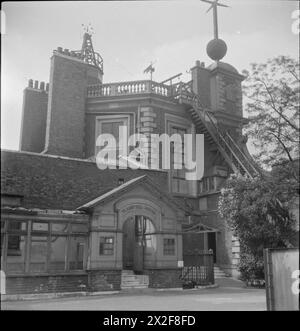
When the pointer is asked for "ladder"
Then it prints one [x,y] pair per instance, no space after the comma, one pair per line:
[207,123]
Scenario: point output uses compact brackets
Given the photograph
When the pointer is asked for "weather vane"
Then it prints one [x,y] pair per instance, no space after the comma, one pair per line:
[214,6]
[88,28]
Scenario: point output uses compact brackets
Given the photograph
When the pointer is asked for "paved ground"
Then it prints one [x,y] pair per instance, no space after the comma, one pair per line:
[230,295]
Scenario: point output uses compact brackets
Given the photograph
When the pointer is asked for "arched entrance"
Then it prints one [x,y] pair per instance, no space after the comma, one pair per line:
[139,240]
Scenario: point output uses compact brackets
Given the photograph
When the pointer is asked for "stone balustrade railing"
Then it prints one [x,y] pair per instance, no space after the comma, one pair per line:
[129,88]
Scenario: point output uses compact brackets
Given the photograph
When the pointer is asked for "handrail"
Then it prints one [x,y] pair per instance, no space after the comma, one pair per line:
[220,135]
[220,139]
[242,153]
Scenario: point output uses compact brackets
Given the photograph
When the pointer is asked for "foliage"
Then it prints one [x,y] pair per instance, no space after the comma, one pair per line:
[250,265]
[258,217]
[272,95]
[257,210]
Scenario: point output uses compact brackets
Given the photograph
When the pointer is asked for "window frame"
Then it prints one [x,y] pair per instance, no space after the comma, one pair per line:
[29,233]
[110,119]
[169,249]
[177,182]
[103,248]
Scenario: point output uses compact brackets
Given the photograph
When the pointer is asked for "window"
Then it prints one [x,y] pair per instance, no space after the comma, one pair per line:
[13,245]
[36,246]
[15,263]
[179,183]
[58,253]
[106,246]
[38,253]
[169,246]
[40,227]
[207,184]
[60,227]
[77,252]
[111,125]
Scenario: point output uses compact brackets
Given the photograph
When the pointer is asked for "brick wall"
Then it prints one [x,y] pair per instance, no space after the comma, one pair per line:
[46,284]
[164,278]
[104,280]
[93,280]
[201,84]
[66,108]
[62,183]
[33,128]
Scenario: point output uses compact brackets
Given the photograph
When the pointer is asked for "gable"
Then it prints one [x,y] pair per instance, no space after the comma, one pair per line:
[138,187]
[140,198]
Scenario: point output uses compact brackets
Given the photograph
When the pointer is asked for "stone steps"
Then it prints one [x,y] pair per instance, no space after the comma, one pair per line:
[129,280]
[219,273]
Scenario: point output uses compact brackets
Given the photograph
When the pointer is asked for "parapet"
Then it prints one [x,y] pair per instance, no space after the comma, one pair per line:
[88,56]
[36,85]
[67,52]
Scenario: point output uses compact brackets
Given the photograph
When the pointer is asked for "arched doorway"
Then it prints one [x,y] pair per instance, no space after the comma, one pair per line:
[139,239]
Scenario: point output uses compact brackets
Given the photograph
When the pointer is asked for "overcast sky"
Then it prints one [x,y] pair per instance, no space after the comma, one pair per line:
[129,35]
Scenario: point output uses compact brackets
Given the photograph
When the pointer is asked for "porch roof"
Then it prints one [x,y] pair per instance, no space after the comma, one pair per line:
[129,185]
[106,195]
[198,228]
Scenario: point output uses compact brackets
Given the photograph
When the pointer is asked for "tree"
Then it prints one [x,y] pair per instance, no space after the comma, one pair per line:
[257,209]
[257,217]
[272,102]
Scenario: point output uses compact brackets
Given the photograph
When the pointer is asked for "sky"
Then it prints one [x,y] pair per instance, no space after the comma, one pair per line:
[129,35]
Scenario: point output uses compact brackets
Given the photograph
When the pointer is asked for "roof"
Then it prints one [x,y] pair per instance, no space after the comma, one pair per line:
[110,193]
[224,66]
[129,185]
[51,182]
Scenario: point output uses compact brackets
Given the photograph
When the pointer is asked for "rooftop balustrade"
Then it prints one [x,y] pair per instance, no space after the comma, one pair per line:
[131,88]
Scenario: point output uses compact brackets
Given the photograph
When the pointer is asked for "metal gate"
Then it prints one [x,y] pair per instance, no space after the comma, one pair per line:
[198,268]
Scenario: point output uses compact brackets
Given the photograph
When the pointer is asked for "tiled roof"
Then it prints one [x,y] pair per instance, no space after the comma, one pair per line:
[51,182]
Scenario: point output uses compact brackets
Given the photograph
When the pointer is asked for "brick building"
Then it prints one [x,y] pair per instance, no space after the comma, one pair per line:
[68,226]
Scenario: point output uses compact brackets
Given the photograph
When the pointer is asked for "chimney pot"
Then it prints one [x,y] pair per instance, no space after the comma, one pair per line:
[36,84]
[121,181]
[42,86]
[30,83]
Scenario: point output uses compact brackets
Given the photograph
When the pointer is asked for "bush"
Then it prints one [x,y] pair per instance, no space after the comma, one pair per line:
[251,267]
[254,213]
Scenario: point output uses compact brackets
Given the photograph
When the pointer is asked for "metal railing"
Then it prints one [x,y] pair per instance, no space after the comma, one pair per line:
[198,268]
[228,147]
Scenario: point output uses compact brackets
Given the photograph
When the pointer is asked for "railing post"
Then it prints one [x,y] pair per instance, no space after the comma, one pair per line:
[148,86]
[113,89]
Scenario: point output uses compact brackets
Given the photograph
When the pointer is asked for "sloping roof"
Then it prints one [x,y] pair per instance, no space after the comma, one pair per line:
[129,185]
[110,193]
[52,182]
